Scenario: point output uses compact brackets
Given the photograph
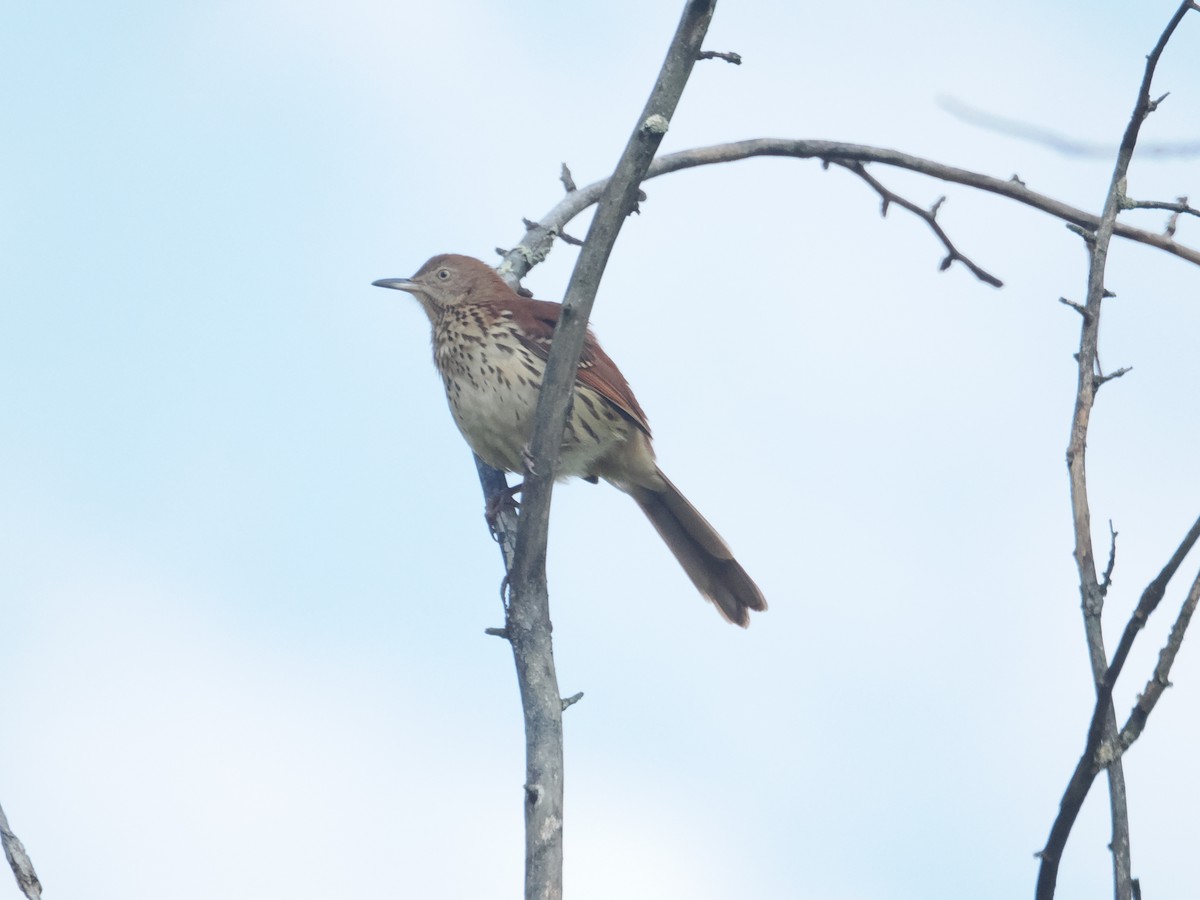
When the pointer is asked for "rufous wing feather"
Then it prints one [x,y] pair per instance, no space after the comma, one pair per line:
[537,319]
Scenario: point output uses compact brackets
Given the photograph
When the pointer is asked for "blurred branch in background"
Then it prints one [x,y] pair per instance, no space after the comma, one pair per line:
[1047,137]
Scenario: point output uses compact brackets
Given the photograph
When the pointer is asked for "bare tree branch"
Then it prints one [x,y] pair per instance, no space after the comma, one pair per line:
[929,216]
[1098,231]
[1106,580]
[1078,307]
[536,243]
[1116,373]
[528,615]
[1090,588]
[19,861]
[1179,206]
[1161,680]
[1096,754]
[1147,604]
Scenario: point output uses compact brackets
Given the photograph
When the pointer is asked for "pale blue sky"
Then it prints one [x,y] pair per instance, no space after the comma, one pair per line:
[242,555]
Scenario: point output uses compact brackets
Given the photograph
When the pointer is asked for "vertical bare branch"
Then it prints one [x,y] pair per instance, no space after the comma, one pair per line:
[528,620]
[1090,587]
[18,859]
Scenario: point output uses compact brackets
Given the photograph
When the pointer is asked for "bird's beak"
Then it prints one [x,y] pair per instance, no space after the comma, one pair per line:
[398,284]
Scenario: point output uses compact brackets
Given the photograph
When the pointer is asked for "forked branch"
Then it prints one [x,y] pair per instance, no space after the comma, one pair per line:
[1161,679]
[928,216]
[536,243]
[1092,591]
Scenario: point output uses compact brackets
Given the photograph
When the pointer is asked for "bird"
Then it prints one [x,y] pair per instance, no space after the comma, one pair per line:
[490,346]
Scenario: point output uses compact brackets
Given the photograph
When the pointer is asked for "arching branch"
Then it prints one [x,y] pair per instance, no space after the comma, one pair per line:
[536,243]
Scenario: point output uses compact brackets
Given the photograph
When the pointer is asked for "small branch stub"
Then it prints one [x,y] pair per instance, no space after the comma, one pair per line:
[1103,379]
[729,57]
[1078,307]
[567,180]
[1088,235]
[572,700]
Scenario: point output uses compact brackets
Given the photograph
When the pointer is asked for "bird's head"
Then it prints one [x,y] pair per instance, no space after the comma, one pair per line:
[448,280]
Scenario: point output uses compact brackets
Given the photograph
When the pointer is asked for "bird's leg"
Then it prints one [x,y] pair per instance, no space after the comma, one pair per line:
[499,502]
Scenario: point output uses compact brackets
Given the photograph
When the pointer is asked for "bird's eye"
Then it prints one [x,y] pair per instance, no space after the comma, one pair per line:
[443,274]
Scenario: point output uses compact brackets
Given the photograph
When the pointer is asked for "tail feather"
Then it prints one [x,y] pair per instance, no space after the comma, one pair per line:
[705,558]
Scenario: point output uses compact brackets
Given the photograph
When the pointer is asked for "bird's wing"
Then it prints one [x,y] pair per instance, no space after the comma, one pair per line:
[536,319]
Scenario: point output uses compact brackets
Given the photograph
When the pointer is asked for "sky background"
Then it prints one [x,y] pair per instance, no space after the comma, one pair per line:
[243,566]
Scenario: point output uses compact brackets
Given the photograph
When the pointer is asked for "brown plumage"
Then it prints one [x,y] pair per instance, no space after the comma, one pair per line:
[490,346]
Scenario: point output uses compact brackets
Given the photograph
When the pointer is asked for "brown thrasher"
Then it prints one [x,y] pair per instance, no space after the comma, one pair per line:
[490,345]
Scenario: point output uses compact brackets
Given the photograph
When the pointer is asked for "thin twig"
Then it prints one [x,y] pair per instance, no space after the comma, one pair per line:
[1078,307]
[1116,373]
[928,216]
[1103,725]
[1179,206]
[1106,580]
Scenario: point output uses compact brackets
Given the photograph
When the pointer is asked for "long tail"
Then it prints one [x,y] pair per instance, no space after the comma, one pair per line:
[700,550]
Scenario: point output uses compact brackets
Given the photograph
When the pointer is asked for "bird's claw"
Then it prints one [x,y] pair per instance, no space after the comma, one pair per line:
[527,459]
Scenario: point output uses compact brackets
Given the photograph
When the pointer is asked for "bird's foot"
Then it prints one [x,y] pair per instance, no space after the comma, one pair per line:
[501,502]
[527,459]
